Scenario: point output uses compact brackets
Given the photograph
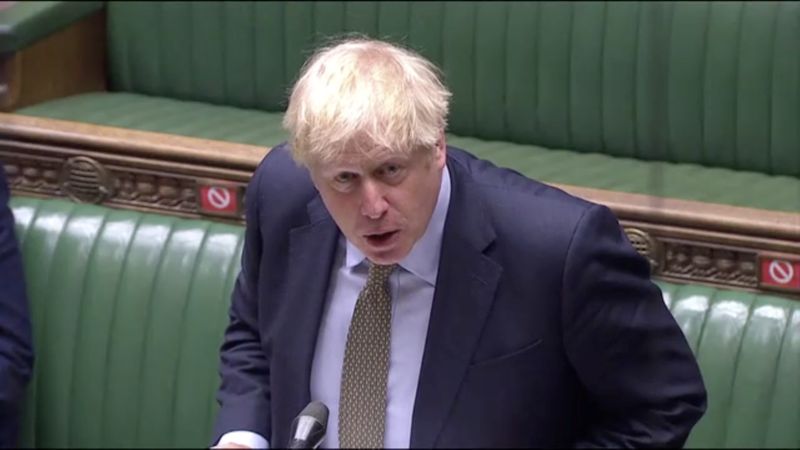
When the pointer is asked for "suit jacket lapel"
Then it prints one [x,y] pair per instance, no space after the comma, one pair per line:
[463,297]
[312,249]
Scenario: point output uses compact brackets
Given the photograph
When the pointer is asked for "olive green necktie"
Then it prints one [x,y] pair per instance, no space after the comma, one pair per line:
[362,398]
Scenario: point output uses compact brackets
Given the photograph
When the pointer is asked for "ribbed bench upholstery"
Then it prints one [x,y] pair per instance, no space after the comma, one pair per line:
[128,313]
[748,348]
[129,310]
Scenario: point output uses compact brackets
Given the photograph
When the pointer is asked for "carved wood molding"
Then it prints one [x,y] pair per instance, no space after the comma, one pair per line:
[126,168]
[699,257]
[92,179]
[712,244]
[684,241]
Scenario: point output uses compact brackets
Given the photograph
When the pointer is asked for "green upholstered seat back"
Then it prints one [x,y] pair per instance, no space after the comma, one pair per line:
[713,83]
[748,348]
[128,312]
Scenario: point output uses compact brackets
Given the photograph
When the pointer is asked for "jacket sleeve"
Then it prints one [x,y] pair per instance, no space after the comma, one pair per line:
[625,345]
[16,347]
[244,394]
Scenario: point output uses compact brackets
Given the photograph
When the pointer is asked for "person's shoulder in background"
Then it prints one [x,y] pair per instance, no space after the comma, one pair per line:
[16,347]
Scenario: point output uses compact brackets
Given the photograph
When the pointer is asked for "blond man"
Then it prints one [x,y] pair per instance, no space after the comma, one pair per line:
[429,298]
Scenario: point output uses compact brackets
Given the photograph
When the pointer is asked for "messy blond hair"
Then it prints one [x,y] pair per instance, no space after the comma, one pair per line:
[368,96]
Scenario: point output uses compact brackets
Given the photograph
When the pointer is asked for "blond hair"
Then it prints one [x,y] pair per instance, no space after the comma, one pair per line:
[365,95]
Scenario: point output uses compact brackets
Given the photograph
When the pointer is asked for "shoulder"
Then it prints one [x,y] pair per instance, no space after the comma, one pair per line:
[6,217]
[539,228]
[518,206]
[4,190]
[278,195]
[280,187]
[277,171]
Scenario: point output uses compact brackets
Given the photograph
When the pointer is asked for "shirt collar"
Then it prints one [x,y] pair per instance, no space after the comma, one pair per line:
[423,259]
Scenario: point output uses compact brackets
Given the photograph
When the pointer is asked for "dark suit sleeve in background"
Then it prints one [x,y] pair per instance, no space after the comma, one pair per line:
[244,394]
[16,348]
[624,344]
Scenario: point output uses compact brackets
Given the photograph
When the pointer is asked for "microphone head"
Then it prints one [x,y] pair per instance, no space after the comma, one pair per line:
[318,411]
[308,428]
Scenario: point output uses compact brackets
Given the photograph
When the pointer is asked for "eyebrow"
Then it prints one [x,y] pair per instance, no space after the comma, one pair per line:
[356,168]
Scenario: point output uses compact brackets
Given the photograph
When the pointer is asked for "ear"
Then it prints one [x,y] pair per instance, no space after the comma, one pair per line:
[441,151]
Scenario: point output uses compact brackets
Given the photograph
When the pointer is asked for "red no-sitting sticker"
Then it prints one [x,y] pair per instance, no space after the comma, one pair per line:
[780,273]
[218,199]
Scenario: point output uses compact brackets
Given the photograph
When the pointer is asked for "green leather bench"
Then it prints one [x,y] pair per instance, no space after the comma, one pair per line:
[129,310]
[690,100]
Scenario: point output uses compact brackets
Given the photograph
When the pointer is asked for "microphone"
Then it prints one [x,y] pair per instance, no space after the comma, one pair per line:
[309,427]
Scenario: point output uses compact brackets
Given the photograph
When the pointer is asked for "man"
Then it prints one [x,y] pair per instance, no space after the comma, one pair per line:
[431,299]
[16,349]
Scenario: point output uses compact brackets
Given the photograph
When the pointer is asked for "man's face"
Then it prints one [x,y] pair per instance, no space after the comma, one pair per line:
[382,205]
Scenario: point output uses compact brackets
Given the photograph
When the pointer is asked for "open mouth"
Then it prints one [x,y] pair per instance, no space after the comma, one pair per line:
[380,239]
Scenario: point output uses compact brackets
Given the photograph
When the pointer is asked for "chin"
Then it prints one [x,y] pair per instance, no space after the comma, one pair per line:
[388,256]
[383,260]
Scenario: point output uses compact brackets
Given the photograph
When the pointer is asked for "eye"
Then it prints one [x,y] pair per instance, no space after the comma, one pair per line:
[390,171]
[344,181]
[344,178]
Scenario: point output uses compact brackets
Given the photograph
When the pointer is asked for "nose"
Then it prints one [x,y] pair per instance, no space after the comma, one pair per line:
[373,203]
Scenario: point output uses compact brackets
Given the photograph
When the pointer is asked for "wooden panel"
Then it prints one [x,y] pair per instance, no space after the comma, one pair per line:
[68,62]
[695,215]
[157,146]
[9,66]
[684,241]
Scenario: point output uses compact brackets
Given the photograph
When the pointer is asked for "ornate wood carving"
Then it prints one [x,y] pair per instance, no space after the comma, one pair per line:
[125,168]
[698,262]
[648,247]
[704,260]
[87,180]
[695,260]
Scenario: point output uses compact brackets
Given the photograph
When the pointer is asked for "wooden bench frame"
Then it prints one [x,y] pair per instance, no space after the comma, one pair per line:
[685,241]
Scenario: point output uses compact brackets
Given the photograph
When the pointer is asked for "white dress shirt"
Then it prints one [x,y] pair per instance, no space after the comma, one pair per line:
[411,287]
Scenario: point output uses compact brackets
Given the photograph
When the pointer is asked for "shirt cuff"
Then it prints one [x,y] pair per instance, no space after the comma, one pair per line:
[248,438]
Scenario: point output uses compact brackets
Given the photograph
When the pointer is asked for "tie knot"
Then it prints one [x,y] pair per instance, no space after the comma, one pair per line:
[378,274]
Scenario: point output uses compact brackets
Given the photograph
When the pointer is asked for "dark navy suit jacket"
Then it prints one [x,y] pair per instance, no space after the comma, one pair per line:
[16,350]
[545,328]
